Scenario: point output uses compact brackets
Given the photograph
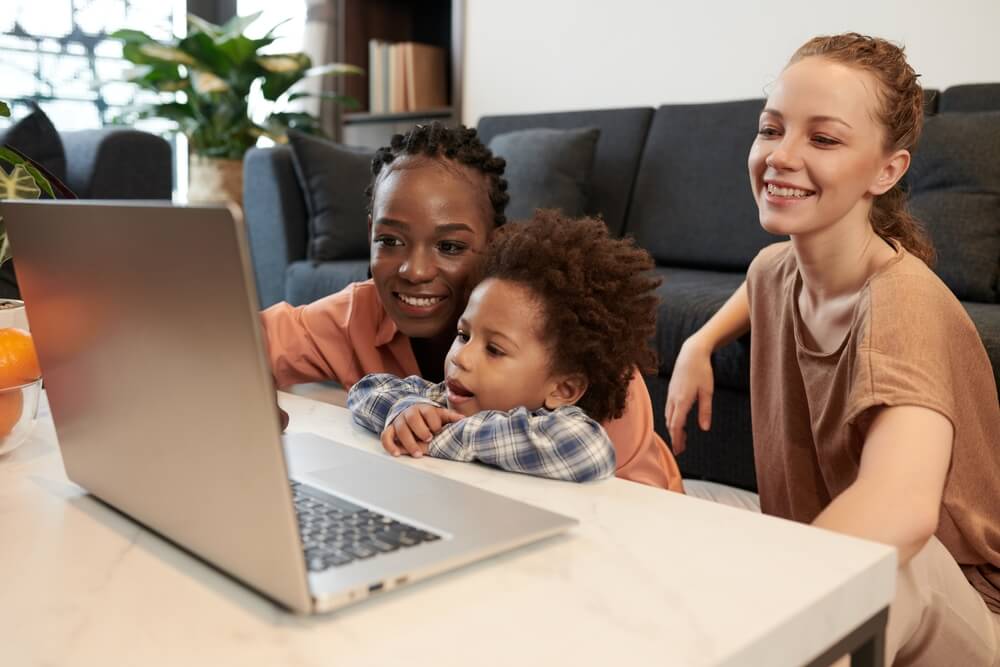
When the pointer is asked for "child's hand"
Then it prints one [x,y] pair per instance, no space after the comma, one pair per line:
[691,380]
[414,427]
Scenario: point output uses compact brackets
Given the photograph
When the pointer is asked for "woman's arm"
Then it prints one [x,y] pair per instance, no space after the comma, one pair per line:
[896,498]
[692,378]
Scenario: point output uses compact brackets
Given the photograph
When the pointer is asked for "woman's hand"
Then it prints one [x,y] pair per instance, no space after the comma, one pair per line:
[692,380]
[413,429]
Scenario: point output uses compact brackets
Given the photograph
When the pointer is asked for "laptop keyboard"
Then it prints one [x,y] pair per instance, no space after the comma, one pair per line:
[336,532]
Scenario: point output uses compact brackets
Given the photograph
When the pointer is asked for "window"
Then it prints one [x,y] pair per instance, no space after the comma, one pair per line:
[57,53]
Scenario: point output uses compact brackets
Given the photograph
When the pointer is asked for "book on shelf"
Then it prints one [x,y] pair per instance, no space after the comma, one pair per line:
[406,76]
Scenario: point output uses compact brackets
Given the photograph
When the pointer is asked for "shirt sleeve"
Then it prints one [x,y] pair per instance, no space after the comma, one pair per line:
[311,343]
[376,399]
[562,444]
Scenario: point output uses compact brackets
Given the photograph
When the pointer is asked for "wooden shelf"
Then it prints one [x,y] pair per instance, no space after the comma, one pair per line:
[436,22]
[362,117]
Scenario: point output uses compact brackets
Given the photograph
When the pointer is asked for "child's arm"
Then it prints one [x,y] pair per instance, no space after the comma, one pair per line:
[563,444]
[377,400]
[692,378]
[373,398]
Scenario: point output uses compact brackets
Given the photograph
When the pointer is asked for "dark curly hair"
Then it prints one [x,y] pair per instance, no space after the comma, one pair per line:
[597,298]
[460,144]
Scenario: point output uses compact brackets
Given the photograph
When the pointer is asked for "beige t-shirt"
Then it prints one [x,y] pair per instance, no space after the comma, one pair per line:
[910,343]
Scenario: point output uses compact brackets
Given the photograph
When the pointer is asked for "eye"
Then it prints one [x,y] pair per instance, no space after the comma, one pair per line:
[768,132]
[452,247]
[462,336]
[824,140]
[494,351]
[385,241]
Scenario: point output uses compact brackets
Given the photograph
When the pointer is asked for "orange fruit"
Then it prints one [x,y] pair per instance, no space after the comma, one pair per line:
[11,405]
[18,361]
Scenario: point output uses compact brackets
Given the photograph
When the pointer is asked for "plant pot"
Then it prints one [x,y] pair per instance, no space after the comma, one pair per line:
[215,180]
[12,314]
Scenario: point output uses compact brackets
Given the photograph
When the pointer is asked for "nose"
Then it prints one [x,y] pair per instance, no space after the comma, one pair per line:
[462,355]
[785,156]
[419,267]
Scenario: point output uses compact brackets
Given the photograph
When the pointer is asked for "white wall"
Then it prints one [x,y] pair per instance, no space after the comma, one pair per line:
[553,55]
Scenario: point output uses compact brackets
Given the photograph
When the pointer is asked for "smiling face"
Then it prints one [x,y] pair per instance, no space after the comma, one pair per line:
[819,156]
[430,222]
[499,360]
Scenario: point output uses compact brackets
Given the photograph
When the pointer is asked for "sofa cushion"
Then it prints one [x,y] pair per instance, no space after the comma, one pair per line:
[547,168]
[954,183]
[333,178]
[688,298]
[306,281]
[36,136]
[692,205]
[623,133]
[986,317]
[971,97]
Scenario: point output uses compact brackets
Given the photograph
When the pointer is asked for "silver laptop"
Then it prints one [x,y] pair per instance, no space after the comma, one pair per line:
[146,323]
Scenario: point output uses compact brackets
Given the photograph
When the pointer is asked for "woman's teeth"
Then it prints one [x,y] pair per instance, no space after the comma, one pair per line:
[420,301]
[786,192]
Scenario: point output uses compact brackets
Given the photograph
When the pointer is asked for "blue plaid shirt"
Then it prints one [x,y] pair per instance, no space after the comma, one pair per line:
[560,444]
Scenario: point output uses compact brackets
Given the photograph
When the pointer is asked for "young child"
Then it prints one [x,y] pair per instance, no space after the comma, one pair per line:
[544,352]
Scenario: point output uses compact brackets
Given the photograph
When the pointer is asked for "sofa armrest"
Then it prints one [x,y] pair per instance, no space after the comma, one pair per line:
[116,163]
[276,219]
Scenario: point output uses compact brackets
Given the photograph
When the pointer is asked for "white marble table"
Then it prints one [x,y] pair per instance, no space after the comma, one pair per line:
[648,577]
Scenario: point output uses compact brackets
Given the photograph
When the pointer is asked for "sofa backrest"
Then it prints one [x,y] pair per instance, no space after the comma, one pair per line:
[616,158]
[970,97]
[692,205]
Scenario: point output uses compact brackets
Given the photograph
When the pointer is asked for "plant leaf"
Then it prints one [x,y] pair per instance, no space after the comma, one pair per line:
[4,109]
[18,184]
[5,252]
[203,48]
[166,54]
[132,36]
[238,49]
[333,68]
[203,26]
[284,63]
[207,82]
[345,101]
[238,24]
[43,179]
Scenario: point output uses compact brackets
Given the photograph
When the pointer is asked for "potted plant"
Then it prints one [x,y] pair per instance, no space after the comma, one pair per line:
[20,178]
[204,81]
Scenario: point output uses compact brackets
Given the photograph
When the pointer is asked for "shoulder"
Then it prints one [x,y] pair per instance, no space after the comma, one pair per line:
[772,263]
[356,301]
[907,305]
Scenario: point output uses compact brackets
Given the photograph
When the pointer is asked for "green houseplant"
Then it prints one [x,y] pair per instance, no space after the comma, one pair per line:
[20,178]
[205,80]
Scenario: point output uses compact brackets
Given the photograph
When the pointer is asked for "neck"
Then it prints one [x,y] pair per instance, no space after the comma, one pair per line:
[835,262]
[430,354]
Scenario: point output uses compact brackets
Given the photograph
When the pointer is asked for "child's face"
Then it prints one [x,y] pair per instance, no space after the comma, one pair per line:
[819,153]
[498,361]
[430,221]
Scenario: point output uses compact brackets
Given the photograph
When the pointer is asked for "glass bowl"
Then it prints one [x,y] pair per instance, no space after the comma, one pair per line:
[18,410]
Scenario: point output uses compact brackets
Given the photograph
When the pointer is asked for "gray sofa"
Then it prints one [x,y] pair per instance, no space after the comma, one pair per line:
[675,179]
[108,163]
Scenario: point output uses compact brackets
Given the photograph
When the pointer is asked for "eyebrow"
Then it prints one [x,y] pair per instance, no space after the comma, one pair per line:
[440,229]
[814,119]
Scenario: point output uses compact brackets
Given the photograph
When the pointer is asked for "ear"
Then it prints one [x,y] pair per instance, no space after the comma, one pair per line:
[565,390]
[891,172]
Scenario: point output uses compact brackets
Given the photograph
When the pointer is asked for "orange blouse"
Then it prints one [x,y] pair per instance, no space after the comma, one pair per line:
[345,336]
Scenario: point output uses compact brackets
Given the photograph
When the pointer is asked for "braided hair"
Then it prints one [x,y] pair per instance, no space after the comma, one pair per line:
[460,144]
